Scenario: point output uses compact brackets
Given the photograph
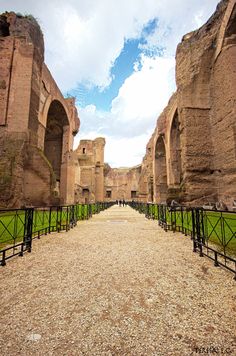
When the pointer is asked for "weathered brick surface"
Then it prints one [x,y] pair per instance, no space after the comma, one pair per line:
[33,110]
[89,170]
[197,162]
[122,183]
[6,52]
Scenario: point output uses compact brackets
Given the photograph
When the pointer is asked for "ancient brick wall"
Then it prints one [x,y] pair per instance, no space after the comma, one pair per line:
[36,123]
[145,183]
[89,171]
[122,183]
[194,140]
[223,110]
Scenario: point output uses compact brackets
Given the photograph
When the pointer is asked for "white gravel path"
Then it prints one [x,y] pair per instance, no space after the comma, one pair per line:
[116,285]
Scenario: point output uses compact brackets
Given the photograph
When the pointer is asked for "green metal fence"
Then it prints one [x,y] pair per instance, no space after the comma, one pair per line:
[213,232]
[19,227]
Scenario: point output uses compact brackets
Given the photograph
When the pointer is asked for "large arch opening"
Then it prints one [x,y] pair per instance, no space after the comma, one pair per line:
[230,32]
[175,153]
[53,141]
[160,171]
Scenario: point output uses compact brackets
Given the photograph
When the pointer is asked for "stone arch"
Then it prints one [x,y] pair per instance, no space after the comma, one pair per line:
[56,121]
[175,175]
[160,170]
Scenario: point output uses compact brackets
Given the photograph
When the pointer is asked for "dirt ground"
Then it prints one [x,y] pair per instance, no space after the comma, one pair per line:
[116,285]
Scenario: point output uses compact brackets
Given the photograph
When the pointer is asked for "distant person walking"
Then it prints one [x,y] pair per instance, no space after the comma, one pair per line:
[123,202]
[120,202]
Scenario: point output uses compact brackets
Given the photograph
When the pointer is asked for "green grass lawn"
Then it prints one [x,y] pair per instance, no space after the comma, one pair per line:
[12,222]
[11,227]
[219,228]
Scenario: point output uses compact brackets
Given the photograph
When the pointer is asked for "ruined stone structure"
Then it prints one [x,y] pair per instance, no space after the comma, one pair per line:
[191,156]
[122,183]
[194,144]
[145,185]
[37,123]
[89,168]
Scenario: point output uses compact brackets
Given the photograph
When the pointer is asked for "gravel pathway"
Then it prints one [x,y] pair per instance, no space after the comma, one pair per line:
[116,285]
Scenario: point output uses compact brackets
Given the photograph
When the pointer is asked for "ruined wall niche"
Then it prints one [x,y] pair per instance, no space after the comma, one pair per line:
[146,182]
[53,142]
[175,153]
[4,27]
[89,170]
[160,170]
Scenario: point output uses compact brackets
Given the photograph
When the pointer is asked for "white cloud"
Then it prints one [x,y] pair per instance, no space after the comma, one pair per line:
[145,93]
[131,148]
[83,40]
[133,114]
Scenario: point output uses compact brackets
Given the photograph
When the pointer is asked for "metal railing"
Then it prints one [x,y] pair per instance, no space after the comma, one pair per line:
[19,227]
[213,232]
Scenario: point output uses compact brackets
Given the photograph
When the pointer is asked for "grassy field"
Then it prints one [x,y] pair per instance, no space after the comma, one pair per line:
[218,227]
[12,222]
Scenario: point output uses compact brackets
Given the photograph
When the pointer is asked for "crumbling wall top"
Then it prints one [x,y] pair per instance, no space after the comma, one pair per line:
[25,27]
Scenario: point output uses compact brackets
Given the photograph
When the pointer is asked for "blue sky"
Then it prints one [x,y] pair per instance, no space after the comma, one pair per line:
[118,59]
[122,68]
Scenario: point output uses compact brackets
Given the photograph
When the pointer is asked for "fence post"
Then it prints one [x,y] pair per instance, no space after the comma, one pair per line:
[59,209]
[67,219]
[28,228]
[198,230]
[216,264]
[165,218]
[193,230]
[3,262]
[173,219]
[49,220]
[72,216]
[182,220]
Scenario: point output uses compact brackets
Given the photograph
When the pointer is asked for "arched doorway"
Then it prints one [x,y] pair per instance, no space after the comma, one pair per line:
[175,154]
[53,141]
[160,171]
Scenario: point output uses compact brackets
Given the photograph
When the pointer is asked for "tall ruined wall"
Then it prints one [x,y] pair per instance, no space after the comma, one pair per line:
[223,108]
[27,124]
[194,141]
[122,183]
[145,184]
[89,163]
[194,62]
